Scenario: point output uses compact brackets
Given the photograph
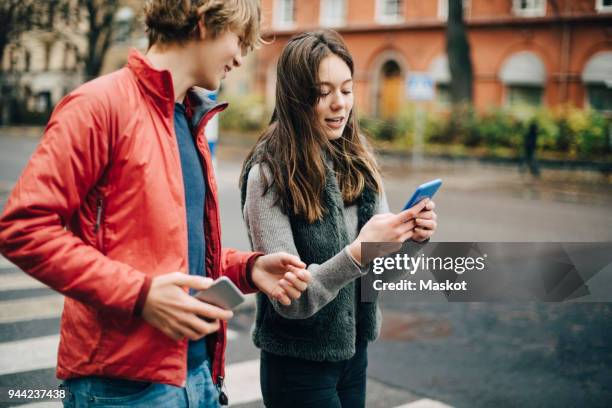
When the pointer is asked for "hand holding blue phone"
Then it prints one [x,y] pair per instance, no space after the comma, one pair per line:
[426,190]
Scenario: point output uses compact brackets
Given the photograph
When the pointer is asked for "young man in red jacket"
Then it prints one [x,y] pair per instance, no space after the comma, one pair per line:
[117,210]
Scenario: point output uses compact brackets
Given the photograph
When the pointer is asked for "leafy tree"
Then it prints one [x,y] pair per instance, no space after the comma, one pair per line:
[16,16]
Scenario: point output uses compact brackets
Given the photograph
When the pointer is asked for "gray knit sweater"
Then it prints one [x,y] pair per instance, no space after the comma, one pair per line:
[270,231]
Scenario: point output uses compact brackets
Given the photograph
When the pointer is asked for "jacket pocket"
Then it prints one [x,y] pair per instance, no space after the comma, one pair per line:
[99,225]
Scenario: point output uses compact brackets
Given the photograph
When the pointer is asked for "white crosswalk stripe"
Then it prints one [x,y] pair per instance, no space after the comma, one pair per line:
[5,263]
[425,403]
[12,311]
[27,355]
[19,281]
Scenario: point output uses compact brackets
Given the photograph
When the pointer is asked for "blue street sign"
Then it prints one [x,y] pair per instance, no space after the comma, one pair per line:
[420,87]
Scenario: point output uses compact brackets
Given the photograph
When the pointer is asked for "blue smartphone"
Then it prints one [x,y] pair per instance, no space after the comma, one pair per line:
[426,190]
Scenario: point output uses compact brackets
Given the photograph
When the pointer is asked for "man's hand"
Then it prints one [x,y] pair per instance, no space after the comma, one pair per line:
[177,314]
[281,276]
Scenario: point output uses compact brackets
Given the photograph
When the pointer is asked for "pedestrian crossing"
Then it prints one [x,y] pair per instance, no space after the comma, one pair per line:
[29,338]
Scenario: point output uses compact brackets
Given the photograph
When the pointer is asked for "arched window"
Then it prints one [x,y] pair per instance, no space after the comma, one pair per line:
[597,78]
[524,76]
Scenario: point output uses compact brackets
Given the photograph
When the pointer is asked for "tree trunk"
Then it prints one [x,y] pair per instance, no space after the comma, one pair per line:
[100,32]
[458,51]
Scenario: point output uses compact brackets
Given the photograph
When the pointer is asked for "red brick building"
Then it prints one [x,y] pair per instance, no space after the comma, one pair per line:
[540,52]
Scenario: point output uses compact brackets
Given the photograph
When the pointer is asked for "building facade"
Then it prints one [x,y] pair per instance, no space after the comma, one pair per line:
[42,66]
[535,52]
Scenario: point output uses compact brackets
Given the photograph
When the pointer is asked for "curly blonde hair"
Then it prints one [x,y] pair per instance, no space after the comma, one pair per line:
[172,21]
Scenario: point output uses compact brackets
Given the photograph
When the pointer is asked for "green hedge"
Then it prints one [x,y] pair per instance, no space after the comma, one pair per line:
[564,132]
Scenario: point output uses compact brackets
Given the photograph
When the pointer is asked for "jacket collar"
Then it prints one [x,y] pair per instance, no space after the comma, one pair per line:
[156,83]
[198,103]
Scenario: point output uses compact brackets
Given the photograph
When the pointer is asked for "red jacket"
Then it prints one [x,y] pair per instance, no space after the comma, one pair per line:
[100,210]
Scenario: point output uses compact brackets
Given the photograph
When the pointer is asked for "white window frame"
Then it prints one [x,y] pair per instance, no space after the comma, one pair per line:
[383,18]
[324,15]
[601,8]
[534,10]
[280,20]
[443,9]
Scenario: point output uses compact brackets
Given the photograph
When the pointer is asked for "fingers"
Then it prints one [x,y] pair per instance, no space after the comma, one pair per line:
[295,281]
[190,281]
[421,234]
[207,311]
[291,260]
[402,229]
[427,215]
[412,212]
[290,291]
[198,328]
[426,224]
[279,294]
[302,274]
[406,236]
[192,327]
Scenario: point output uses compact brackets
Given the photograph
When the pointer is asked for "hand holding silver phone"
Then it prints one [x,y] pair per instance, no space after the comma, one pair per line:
[222,293]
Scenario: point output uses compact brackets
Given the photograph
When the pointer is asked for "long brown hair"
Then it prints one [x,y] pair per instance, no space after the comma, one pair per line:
[294,145]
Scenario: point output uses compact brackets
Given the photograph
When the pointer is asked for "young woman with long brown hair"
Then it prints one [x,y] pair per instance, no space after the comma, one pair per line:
[310,187]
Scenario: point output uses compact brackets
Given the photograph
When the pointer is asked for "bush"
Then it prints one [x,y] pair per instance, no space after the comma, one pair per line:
[245,114]
[577,133]
[380,129]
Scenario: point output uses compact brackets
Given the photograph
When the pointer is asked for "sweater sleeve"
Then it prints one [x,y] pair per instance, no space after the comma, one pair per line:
[270,231]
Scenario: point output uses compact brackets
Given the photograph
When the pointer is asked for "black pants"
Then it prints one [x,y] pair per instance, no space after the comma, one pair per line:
[298,383]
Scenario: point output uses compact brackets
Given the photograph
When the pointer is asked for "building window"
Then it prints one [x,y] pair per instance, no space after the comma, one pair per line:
[443,9]
[603,6]
[389,11]
[597,78]
[524,76]
[529,8]
[333,12]
[525,95]
[284,14]
[600,97]
[124,23]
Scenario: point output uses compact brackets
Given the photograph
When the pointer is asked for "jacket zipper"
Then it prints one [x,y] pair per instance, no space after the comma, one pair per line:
[97,227]
[223,400]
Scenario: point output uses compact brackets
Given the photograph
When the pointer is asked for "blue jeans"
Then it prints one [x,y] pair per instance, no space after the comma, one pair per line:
[108,392]
[298,383]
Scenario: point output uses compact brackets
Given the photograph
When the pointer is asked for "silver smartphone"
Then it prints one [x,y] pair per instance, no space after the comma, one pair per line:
[222,293]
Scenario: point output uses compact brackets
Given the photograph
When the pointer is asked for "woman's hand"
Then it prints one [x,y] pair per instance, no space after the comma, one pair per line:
[389,228]
[281,276]
[426,223]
